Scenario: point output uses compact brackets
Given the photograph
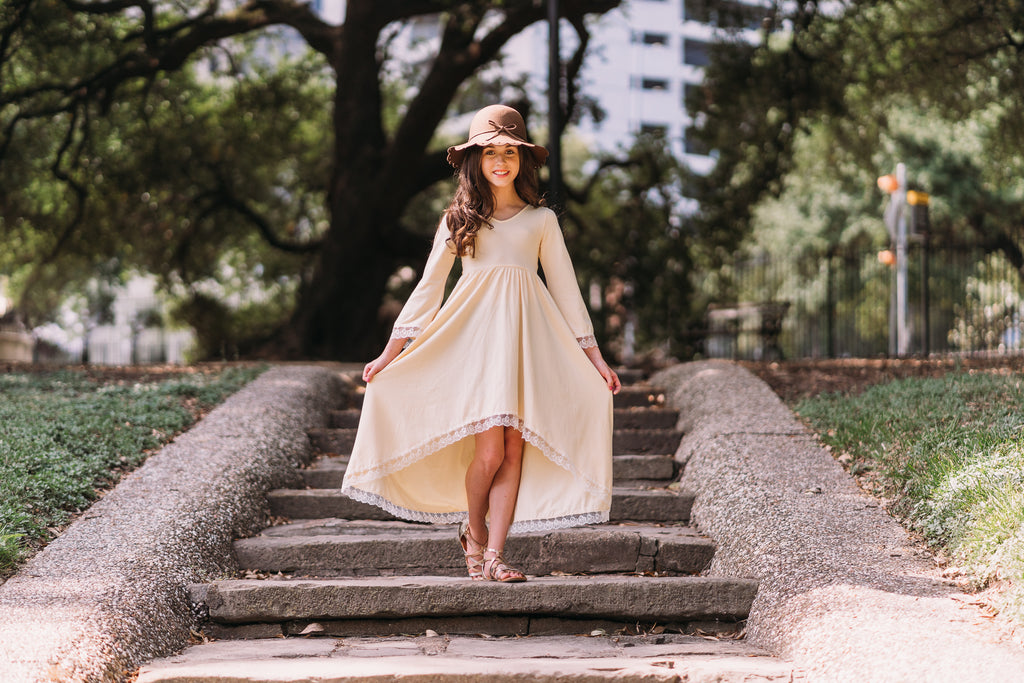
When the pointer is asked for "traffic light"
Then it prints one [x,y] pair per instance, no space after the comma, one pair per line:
[888,183]
[915,198]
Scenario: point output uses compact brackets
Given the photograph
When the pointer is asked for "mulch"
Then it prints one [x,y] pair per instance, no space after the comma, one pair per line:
[796,380]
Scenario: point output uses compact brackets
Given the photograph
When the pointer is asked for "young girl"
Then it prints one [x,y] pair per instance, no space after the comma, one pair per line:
[500,410]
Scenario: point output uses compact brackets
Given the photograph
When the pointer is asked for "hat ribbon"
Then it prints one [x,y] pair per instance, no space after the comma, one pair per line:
[499,129]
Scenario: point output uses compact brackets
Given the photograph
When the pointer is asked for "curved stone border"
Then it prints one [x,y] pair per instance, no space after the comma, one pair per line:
[111,591]
[845,593]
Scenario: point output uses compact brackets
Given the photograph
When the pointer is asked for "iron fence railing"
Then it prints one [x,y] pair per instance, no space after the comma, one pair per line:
[840,304]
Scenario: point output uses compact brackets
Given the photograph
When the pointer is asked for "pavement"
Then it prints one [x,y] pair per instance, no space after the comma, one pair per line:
[110,592]
[845,593]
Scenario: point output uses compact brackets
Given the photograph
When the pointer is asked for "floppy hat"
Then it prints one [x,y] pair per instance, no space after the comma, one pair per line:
[497,125]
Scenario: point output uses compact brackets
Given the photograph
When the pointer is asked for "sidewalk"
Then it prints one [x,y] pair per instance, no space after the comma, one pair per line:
[845,593]
[111,592]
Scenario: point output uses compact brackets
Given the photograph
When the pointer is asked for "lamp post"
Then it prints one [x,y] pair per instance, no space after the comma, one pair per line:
[896,222]
[554,108]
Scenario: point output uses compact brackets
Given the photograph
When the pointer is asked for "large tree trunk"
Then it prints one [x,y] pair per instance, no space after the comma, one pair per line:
[375,176]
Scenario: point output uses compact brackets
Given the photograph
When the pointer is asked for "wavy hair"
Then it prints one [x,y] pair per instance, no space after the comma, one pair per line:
[473,204]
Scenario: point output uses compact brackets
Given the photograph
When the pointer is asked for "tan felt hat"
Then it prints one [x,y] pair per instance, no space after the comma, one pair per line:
[497,125]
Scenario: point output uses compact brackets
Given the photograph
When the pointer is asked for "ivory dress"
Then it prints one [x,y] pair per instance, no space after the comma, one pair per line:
[503,350]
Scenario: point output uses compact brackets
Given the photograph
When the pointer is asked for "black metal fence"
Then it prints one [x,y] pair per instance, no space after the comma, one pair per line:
[960,299]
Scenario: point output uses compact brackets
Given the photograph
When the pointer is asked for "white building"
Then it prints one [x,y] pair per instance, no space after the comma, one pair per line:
[643,58]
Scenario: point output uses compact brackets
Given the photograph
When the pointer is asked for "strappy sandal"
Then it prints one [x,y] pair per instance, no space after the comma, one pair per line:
[495,569]
[475,558]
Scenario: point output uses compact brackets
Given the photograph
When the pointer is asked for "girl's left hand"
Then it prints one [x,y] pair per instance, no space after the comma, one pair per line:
[610,378]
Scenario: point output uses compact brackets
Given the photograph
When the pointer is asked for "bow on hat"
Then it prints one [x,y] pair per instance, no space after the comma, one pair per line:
[498,122]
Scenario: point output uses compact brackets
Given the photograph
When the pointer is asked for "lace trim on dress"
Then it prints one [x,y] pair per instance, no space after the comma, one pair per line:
[437,443]
[587,342]
[405,332]
[456,517]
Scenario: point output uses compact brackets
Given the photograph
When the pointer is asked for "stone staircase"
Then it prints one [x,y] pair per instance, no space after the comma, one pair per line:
[374,586]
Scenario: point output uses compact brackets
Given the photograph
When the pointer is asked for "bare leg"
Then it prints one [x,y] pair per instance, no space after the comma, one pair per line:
[505,489]
[490,452]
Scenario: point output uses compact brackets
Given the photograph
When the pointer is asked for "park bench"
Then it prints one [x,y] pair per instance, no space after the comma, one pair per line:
[747,331]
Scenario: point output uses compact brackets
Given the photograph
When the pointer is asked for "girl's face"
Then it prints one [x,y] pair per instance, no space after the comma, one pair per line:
[500,165]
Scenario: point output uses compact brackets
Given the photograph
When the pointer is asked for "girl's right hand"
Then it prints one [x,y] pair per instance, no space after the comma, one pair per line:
[391,351]
[374,366]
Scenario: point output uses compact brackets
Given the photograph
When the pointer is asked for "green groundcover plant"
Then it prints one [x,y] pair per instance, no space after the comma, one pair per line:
[66,436]
[949,455]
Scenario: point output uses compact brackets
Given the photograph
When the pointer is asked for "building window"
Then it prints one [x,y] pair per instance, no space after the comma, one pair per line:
[655,129]
[692,92]
[653,38]
[653,84]
[694,145]
[727,15]
[696,53]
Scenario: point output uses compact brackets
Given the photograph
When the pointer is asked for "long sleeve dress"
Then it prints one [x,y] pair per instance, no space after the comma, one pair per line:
[503,350]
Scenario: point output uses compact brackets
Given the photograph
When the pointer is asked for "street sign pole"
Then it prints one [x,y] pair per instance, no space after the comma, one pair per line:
[902,324]
[554,109]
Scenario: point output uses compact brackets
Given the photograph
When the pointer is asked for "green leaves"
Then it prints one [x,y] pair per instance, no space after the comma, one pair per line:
[835,96]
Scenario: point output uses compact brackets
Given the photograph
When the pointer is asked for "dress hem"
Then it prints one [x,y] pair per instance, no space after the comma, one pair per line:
[434,444]
[563,522]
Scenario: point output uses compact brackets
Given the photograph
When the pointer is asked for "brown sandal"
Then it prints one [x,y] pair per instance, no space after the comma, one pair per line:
[475,558]
[495,569]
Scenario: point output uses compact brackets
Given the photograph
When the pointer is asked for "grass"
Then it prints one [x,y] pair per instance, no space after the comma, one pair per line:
[67,436]
[948,455]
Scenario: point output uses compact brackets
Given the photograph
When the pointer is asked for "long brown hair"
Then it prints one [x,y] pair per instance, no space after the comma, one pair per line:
[473,204]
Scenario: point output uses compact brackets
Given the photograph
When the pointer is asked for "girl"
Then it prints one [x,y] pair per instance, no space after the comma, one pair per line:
[500,410]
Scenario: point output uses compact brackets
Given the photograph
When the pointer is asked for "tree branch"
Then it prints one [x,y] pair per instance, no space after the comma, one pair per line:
[582,195]
[227,200]
[573,67]
[460,55]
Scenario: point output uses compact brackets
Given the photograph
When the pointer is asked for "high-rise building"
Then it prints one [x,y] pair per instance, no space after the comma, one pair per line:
[643,59]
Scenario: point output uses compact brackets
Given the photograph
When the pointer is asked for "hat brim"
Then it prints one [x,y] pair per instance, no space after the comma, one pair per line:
[458,152]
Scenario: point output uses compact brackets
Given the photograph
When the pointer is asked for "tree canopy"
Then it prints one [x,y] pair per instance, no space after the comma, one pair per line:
[936,85]
[165,136]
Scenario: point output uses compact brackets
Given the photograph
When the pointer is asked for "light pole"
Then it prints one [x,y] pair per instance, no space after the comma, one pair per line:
[554,108]
[896,222]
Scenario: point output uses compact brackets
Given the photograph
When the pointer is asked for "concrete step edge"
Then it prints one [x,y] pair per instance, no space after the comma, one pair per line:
[617,597]
[368,550]
[460,658]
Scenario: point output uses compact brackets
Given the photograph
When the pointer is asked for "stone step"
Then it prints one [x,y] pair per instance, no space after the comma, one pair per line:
[673,601]
[653,658]
[328,472]
[639,395]
[344,419]
[340,441]
[629,466]
[643,441]
[641,417]
[333,440]
[629,376]
[639,505]
[345,548]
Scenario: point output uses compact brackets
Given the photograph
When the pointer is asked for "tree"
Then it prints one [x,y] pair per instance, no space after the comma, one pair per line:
[849,69]
[75,75]
[634,243]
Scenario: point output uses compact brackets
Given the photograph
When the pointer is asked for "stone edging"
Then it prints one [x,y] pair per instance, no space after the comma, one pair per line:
[111,591]
[845,593]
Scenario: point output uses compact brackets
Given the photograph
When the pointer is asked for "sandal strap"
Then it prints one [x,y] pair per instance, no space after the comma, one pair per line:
[496,569]
[474,558]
